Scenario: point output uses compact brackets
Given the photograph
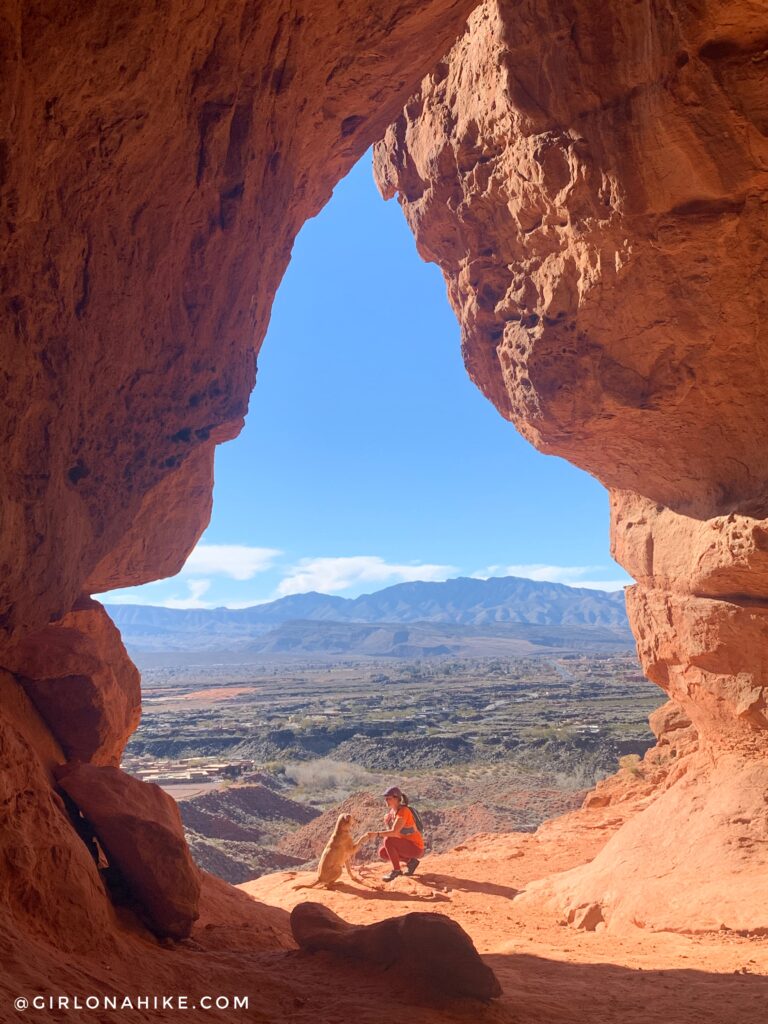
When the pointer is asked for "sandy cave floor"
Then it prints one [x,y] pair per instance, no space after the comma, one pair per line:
[549,972]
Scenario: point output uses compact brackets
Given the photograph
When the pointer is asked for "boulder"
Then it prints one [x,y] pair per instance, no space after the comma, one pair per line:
[49,885]
[431,953]
[139,827]
[78,675]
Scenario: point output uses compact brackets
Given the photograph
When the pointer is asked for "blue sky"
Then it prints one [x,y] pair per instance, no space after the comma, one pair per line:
[368,456]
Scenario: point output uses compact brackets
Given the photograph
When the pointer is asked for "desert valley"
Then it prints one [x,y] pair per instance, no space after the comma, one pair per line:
[493,728]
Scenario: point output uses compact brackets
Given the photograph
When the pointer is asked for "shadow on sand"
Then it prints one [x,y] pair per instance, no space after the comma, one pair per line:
[543,991]
[393,895]
[469,885]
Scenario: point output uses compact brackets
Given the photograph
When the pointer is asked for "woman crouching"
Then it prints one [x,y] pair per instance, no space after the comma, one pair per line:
[402,838]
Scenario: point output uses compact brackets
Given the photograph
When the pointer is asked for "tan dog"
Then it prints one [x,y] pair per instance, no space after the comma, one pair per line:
[337,855]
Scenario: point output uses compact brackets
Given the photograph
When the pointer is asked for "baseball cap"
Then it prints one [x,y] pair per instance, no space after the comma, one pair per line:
[394,791]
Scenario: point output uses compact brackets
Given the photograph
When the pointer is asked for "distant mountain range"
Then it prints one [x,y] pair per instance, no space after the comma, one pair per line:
[441,618]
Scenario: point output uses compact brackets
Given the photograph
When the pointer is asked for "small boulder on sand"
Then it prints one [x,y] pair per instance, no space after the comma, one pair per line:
[430,952]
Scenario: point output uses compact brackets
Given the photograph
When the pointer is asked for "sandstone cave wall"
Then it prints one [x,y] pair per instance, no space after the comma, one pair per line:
[591,178]
[156,163]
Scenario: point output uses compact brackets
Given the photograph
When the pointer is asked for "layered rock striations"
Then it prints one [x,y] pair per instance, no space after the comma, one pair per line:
[700,614]
[592,181]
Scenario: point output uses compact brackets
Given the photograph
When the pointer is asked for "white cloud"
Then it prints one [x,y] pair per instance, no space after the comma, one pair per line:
[601,584]
[571,575]
[238,561]
[330,575]
[133,596]
[551,573]
[196,589]
[248,603]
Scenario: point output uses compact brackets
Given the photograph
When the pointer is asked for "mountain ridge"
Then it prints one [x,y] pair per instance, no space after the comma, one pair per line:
[458,608]
[464,600]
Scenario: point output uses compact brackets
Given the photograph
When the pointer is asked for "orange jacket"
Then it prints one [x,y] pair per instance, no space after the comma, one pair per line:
[409,828]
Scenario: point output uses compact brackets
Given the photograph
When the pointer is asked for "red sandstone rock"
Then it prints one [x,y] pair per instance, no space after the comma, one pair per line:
[157,163]
[591,180]
[49,886]
[722,557]
[694,860]
[166,528]
[671,726]
[698,613]
[429,952]
[712,659]
[140,829]
[587,916]
[81,680]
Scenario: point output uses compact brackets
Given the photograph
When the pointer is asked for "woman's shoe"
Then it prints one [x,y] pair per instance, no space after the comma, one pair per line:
[411,865]
[392,876]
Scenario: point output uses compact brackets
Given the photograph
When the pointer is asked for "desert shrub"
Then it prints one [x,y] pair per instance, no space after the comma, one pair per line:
[545,732]
[579,776]
[630,763]
[326,778]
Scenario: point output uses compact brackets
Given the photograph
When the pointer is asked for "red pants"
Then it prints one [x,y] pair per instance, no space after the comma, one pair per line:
[395,847]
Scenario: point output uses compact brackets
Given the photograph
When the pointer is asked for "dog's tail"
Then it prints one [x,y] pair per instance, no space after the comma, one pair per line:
[308,885]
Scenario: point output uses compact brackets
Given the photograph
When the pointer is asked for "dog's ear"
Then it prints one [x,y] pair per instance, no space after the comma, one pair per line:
[346,818]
